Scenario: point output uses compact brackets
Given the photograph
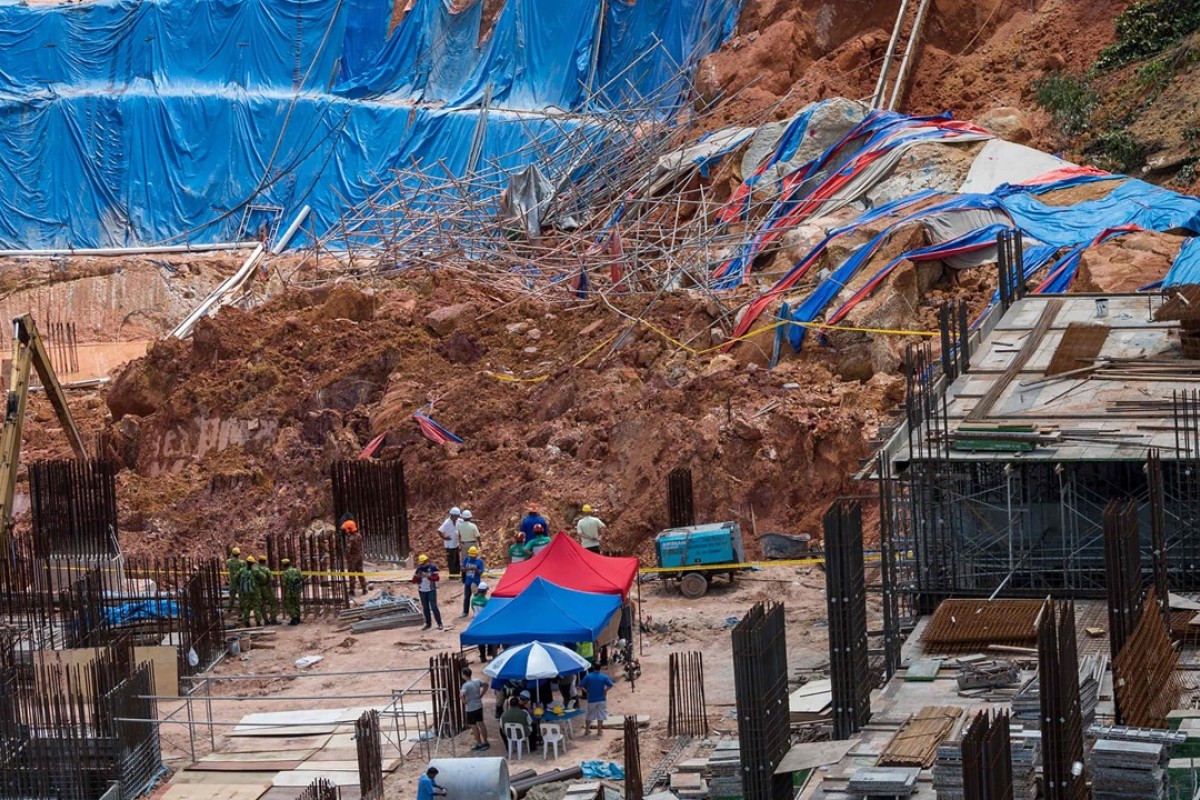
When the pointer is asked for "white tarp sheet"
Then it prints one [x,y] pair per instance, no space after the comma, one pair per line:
[1002,162]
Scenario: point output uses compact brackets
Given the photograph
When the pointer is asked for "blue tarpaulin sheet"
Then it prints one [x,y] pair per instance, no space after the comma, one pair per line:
[1186,267]
[132,122]
[543,612]
[141,610]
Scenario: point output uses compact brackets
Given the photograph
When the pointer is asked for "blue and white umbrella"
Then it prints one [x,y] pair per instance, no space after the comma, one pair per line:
[535,661]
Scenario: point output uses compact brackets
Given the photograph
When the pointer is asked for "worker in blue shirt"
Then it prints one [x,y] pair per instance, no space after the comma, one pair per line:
[427,787]
[472,574]
[531,519]
[595,686]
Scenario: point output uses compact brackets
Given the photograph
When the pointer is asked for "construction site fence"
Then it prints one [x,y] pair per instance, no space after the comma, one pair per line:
[322,562]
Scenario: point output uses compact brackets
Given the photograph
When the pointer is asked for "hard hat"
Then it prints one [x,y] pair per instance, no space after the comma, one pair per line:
[587,509]
[539,528]
[421,559]
[350,526]
[237,551]
[262,559]
[482,587]
[520,537]
[472,551]
[251,560]
[455,512]
[466,514]
[286,561]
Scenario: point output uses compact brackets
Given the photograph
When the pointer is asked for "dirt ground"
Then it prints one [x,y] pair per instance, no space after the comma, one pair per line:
[672,624]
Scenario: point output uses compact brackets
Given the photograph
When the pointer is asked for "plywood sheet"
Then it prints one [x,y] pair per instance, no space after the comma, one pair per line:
[813,754]
[301,778]
[164,661]
[245,766]
[264,755]
[245,791]
[199,777]
[289,723]
[290,793]
[251,744]
[334,754]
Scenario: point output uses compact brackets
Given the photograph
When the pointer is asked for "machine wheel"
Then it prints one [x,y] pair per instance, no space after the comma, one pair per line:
[693,585]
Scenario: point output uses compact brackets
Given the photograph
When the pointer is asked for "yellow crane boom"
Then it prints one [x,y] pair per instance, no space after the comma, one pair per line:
[28,353]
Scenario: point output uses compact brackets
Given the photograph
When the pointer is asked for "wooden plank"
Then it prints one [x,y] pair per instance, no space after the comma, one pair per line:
[334,754]
[301,778]
[251,744]
[210,779]
[245,766]
[915,744]
[263,755]
[246,791]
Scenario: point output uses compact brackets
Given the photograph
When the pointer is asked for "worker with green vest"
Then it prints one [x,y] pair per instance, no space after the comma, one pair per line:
[234,566]
[266,588]
[293,586]
[249,596]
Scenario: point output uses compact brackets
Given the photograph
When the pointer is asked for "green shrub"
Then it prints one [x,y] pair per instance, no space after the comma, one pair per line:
[1148,28]
[1070,100]
[1117,151]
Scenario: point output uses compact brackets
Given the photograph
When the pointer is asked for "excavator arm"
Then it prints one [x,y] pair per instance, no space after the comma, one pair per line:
[28,354]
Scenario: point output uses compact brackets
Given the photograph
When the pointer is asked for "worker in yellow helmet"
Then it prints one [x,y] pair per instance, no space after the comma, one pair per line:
[589,527]
[234,566]
[472,574]
[426,577]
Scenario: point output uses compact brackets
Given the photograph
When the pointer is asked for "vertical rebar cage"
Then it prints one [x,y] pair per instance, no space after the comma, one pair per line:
[760,681]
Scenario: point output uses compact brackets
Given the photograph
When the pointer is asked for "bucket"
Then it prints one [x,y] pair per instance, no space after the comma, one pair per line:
[244,642]
[234,645]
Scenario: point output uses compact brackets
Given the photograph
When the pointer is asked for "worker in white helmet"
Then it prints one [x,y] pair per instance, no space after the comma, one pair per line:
[448,530]
[589,527]
[468,531]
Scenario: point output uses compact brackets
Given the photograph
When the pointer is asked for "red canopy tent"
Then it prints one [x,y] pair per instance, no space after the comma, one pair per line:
[565,563]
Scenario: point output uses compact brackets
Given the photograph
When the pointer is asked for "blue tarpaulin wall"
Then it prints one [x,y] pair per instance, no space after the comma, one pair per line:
[130,122]
[1186,267]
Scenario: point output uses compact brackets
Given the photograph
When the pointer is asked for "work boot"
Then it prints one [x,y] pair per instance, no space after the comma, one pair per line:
[295,621]
[427,626]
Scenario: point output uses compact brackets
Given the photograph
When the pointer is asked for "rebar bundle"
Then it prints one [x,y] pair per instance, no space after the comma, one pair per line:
[687,712]
[370,755]
[760,682]
[845,592]
[634,788]
[374,493]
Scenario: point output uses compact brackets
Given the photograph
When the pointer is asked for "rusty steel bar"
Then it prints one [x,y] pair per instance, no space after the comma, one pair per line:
[760,681]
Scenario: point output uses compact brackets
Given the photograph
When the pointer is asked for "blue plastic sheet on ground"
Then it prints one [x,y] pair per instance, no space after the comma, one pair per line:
[1186,267]
[141,610]
[134,122]
[593,770]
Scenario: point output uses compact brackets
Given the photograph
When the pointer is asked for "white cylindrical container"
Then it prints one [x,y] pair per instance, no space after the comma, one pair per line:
[473,778]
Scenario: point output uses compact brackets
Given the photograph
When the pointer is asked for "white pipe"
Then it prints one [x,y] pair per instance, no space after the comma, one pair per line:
[908,51]
[473,778]
[214,300]
[888,58]
[127,251]
[282,242]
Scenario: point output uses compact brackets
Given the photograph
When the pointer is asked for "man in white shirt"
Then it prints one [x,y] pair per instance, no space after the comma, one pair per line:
[588,527]
[449,533]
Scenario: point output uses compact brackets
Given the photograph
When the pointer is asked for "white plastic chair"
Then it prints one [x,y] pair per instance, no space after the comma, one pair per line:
[516,736]
[552,735]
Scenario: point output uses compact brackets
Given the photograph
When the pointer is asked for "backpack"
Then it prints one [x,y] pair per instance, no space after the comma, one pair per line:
[247,582]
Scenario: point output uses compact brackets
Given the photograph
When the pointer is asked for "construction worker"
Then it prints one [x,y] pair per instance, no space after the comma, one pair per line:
[234,565]
[249,597]
[266,587]
[426,577]
[531,521]
[353,545]
[293,586]
[540,539]
[588,527]
[517,551]
[448,530]
[472,574]
[468,530]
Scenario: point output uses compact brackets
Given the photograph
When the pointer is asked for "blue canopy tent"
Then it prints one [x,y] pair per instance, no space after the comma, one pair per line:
[543,612]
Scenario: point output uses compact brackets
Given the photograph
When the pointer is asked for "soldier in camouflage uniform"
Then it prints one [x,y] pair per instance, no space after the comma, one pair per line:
[234,565]
[293,585]
[249,596]
[354,555]
[266,587]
